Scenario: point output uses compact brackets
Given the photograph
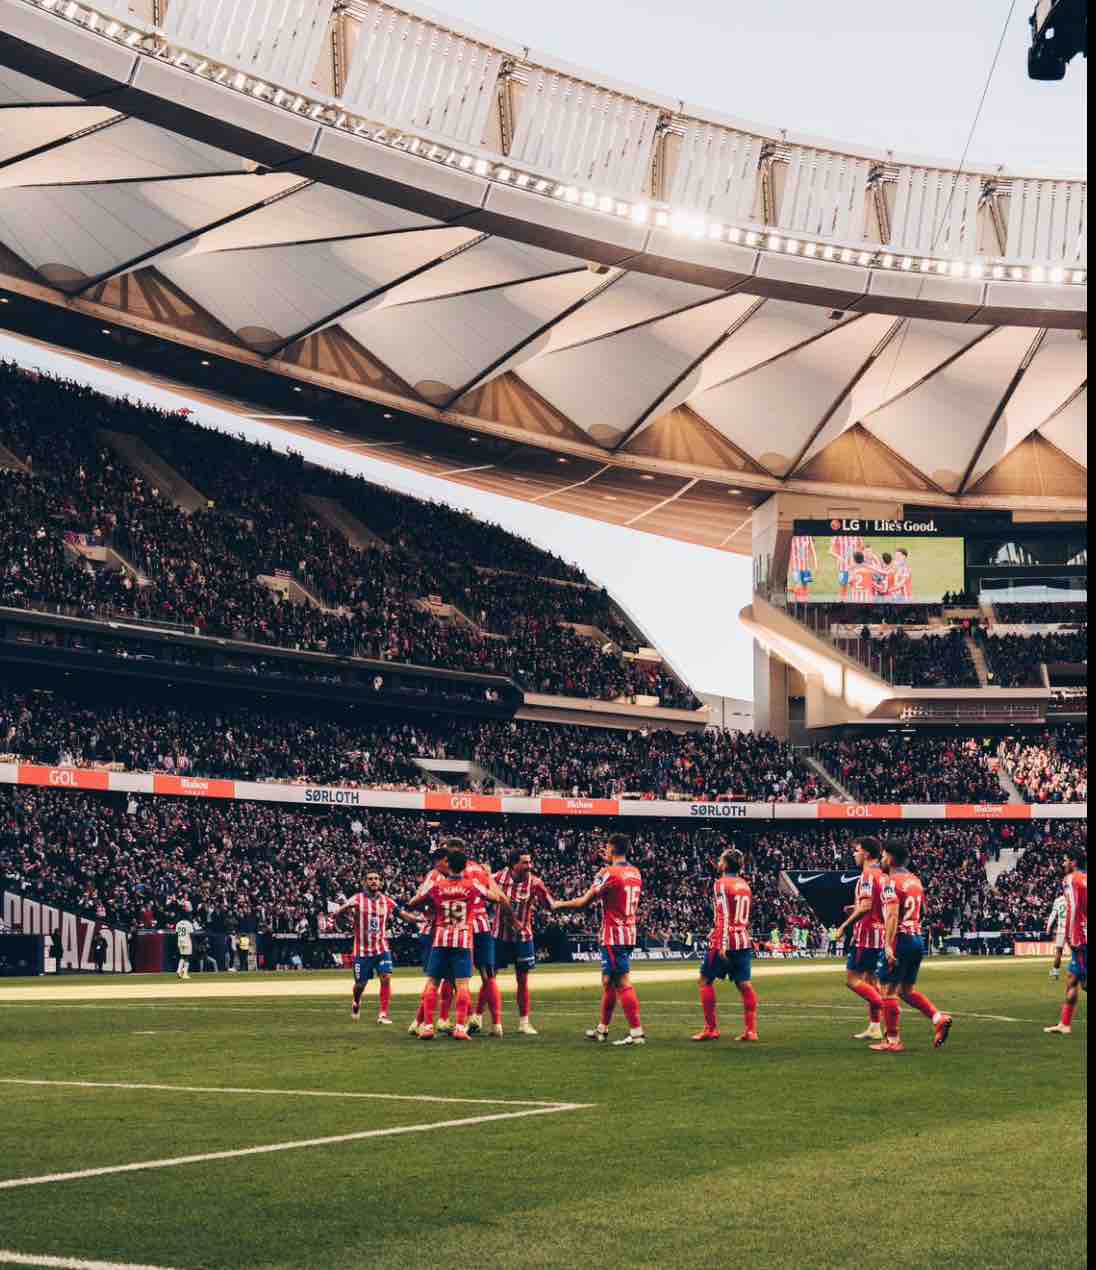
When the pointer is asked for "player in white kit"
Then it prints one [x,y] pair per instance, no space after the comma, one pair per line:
[184,938]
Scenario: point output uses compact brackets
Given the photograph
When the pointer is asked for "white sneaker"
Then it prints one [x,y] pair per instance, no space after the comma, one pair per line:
[496,1029]
[384,1020]
[413,1028]
[873,1032]
[1059,1029]
[632,1039]
[525,1028]
[445,1026]
[1056,974]
[475,1024]
[597,1034]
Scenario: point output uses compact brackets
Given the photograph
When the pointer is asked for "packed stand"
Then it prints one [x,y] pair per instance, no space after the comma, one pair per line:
[1016,661]
[1052,768]
[930,661]
[1045,611]
[250,743]
[142,861]
[900,768]
[201,570]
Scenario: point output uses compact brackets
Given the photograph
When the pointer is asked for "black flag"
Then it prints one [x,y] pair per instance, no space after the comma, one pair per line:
[828,892]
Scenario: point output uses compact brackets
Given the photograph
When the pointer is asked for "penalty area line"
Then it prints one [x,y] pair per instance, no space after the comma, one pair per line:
[7,1257]
[139,1166]
[286,1093]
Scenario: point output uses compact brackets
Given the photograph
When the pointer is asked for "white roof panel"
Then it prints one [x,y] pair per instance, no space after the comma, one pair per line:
[1068,430]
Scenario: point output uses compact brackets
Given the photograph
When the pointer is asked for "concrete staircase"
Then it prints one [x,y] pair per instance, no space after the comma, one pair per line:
[979,658]
[293,590]
[994,868]
[8,461]
[1009,786]
[108,558]
[844,795]
[143,460]
[330,512]
[447,773]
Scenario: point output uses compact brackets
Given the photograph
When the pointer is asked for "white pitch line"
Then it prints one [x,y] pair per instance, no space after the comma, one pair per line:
[286,1093]
[7,1257]
[174,1162]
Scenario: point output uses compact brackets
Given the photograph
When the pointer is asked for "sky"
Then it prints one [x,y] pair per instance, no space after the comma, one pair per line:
[900,76]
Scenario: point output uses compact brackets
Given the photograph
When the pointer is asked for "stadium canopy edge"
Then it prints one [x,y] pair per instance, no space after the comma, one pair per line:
[85,59]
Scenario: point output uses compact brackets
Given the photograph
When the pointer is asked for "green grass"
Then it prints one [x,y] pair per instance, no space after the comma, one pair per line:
[805,1150]
[936,563]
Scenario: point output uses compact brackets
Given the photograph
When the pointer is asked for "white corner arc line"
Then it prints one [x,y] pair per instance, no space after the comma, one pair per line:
[138,1166]
[282,1093]
[7,1257]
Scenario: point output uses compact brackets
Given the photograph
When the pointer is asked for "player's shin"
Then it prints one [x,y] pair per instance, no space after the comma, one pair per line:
[494,1000]
[446,1002]
[429,1005]
[920,1002]
[892,1013]
[629,1003]
[707,1004]
[749,1006]
[464,1005]
[386,995]
[523,995]
[608,1005]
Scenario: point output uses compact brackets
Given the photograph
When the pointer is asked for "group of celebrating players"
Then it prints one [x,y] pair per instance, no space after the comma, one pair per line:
[864,576]
[473,919]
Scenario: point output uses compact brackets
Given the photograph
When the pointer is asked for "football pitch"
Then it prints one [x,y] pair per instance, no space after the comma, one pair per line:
[189,1130]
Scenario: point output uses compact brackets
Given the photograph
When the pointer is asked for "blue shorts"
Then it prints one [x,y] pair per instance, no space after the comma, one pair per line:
[843,577]
[862,961]
[449,963]
[803,577]
[736,965]
[426,942]
[616,960]
[910,950]
[1078,962]
[483,951]
[517,952]
[377,964]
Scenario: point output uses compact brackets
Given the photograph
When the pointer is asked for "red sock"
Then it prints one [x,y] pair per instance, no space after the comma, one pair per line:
[386,995]
[874,1000]
[749,1007]
[707,1004]
[464,1004]
[608,1005]
[494,1001]
[1067,1014]
[629,1003]
[420,1013]
[892,1012]
[920,1002]
[523,996]
[446,1000]
[483,997]
[429,1005]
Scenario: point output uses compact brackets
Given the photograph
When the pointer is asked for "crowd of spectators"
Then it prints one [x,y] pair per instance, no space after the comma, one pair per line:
[1016,661]
[1047,611]
[251,743]
[875,614]
[929,661]
[910,768]
[143,861]
[201,569]
[1052,768]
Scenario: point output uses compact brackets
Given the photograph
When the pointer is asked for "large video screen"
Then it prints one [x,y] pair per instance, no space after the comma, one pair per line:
[867,568]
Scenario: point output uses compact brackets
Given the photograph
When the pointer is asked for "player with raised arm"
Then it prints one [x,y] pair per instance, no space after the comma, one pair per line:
[438,871]
[1056,926]
[372,910]
[514,936]
[451,901]
[1075,890]
[730,948]
[867,916]
[618,886]
[903,951]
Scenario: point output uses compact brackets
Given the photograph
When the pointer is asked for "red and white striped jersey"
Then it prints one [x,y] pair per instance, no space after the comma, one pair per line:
[803,555]
[525,895]
[426,922]
[844,547]
[481,914]
[733,902]
[371,914]
[869,929]
[862,584]
[904,890]
[452,901]
[619,887]
[1076,892]
[901,582]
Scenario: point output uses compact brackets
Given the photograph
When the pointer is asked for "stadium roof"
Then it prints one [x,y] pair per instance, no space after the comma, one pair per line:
[687,342]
